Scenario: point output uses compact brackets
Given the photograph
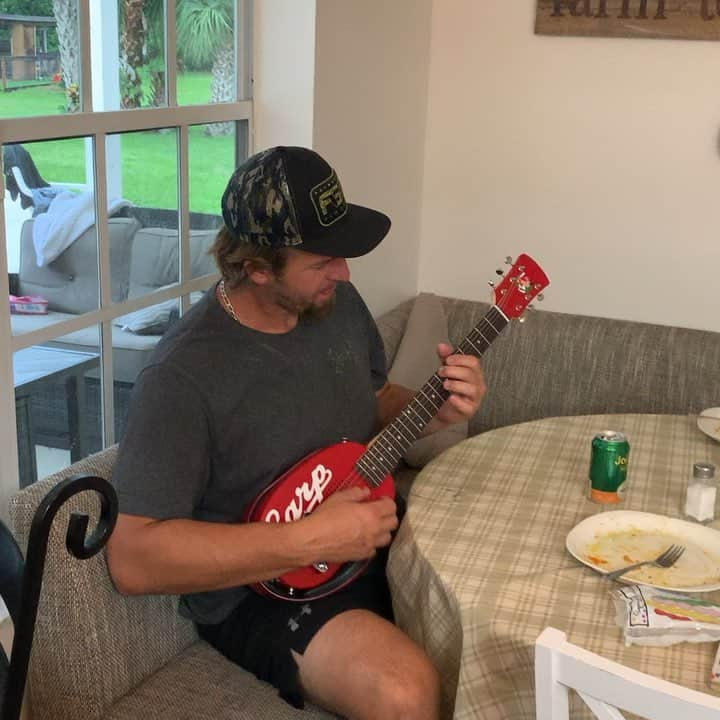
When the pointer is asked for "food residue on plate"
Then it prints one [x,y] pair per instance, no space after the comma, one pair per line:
[612,550]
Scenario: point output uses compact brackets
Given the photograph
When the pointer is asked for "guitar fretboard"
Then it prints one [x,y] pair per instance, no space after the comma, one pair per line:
[390,445]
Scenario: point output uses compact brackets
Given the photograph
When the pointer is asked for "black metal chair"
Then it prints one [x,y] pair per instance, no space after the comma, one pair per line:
[21,579]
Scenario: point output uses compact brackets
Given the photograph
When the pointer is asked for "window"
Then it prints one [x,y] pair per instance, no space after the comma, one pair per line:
[117,144]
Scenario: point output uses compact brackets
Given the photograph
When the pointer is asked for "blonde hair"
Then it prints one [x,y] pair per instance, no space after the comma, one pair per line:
[236,260]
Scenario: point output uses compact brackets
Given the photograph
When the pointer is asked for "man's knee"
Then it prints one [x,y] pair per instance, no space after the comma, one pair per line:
[412,694]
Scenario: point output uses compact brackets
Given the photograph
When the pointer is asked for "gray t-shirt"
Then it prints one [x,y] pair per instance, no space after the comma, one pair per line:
[222,410]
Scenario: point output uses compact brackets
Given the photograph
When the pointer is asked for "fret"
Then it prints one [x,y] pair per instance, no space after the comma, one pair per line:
[400,419]
[477,351]
[370,471]
[430,398]
[416,403]
[436,383]
[485,340]
[482,335]
[386,450]
[406,413]
[401,433]
[396,429]
[393,439]
[380,466]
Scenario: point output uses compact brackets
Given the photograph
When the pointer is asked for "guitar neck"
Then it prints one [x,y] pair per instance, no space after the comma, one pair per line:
[382,457]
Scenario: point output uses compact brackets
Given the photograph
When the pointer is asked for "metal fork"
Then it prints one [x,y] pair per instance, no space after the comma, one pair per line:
[666,559]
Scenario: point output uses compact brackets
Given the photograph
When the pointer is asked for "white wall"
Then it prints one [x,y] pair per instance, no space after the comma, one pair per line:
[283,69]
[597,156]
[371,71]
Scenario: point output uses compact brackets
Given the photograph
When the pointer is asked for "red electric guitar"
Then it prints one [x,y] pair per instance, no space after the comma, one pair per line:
[312,480]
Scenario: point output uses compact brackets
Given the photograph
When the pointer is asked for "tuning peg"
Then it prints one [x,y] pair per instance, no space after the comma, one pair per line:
[508,260]
[521,319]
[540,297]
[498,271]
[491,283]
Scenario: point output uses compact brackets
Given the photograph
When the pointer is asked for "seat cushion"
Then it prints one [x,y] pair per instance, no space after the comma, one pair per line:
[200,683]
[70,282]
[92,645]
[154,259]
[131,352]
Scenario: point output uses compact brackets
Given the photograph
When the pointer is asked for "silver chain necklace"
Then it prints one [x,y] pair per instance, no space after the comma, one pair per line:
[225,302]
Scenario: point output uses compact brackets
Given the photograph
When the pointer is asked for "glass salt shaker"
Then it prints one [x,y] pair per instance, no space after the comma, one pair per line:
[701,493]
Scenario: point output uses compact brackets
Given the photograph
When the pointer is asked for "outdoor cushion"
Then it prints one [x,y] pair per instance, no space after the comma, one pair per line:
[154,259]
[70,282]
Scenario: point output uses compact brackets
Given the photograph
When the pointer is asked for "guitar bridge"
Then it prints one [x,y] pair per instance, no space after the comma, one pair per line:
[321,567]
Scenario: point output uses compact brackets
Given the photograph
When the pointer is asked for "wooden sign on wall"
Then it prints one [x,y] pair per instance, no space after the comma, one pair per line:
[680,19]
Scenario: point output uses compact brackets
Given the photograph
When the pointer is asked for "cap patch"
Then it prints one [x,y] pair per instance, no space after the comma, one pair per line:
[329,201]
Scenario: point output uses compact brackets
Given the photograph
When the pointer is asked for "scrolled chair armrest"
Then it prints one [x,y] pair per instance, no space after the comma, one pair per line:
[30,572]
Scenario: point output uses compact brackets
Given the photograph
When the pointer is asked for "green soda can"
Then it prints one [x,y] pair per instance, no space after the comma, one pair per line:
[608,466]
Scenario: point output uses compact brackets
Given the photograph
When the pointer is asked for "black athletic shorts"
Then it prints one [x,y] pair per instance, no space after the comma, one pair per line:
[260,633]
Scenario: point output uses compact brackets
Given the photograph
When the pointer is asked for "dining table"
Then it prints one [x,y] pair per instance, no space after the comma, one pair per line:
[479,566]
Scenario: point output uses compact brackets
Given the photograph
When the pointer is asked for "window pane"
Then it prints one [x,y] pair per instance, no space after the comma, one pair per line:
[205,48]
[142,169]
[40,60]
[57,412]
[141,65]
[211,162]
[50,230]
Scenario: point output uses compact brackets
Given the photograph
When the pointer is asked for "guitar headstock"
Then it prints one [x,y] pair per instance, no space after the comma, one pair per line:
[521,284]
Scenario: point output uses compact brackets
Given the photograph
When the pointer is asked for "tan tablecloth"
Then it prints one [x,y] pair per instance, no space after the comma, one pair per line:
[479,565]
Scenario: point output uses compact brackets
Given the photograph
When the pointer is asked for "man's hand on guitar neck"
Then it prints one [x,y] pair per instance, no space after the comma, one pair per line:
[462,376]
[348,526]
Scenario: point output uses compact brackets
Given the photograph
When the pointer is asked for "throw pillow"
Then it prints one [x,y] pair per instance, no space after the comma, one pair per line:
[153,320]
[415,362]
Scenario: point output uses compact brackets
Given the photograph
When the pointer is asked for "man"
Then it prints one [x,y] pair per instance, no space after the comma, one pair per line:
[281,359]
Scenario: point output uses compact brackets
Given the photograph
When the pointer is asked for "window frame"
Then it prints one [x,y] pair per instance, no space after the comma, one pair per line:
[97,125]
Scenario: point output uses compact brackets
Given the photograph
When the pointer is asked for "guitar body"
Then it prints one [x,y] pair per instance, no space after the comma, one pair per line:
[297,493]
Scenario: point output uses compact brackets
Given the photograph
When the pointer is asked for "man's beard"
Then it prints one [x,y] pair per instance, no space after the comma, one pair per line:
[315,312]
[306,311]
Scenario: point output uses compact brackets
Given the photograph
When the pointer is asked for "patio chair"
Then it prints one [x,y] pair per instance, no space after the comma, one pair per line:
[607,687]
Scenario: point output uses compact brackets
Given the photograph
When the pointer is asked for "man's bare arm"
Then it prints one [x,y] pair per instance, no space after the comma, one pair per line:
[148,556]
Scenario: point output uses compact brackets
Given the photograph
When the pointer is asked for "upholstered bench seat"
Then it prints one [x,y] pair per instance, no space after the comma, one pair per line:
[100,655]
[201,684]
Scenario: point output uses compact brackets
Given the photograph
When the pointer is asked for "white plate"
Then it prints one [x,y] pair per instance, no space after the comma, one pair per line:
[709,422]
[610,540]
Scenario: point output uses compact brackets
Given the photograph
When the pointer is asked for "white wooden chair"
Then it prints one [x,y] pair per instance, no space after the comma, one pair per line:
[606,686]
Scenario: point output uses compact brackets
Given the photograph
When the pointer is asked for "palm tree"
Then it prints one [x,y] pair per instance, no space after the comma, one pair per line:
[205,35]
[68,32]
[133,45]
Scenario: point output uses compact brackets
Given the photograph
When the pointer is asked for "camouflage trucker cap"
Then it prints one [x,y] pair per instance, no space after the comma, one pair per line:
[291,197]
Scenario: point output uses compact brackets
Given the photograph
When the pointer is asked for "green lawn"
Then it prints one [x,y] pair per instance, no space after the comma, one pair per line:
[149,159]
